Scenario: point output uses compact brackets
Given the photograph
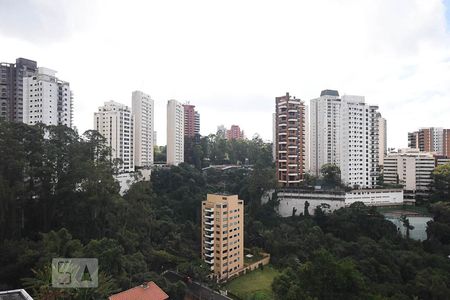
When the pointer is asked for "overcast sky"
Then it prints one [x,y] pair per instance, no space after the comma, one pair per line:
[232,58]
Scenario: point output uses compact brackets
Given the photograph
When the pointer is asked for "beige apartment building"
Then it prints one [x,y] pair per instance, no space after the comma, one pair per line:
[223,234]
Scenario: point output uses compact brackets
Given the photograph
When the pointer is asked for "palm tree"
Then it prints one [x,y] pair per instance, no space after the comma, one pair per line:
[406,224]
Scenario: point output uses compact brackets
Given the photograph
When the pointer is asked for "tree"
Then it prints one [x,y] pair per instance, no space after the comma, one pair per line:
[331,175]
[441,183]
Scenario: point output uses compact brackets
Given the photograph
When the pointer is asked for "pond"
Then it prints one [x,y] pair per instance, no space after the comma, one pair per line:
[418,220]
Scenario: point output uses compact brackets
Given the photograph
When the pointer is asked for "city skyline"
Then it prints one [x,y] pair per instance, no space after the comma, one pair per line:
[399,64]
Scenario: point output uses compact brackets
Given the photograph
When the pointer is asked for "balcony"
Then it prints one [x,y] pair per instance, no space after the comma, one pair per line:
[211,261]
[209,210]
[211,229]
[209,248]
[209,242]
[210,223]
[210,255]
[209,216]
[209,235]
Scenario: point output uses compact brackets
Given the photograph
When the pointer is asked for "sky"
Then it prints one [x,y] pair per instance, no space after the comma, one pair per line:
[232,58]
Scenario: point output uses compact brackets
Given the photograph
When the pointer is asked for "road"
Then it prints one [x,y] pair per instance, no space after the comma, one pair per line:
[195,289]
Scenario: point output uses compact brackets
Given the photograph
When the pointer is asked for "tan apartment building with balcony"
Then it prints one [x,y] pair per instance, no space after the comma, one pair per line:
[290,133]
[223,234]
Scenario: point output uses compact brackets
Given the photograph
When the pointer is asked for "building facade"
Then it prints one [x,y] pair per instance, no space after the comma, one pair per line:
[235,133]
[290,140]
[46,99]
[446,142]
[345,131]
[143,110]
[382,139]
[223,234]
[175,133]
[292,201]
[11,87]
[114,121]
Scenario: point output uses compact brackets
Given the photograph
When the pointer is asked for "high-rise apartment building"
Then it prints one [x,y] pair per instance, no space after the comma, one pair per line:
[345,131]
[175,133]
[114,121]
[143,116]
[223,234]
[46,99]
[325,130]
[11,88]
[290,140]
[429,139]
[191,121]
[235,133]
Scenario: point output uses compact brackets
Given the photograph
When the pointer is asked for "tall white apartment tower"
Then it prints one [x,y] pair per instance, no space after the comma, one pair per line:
[175,132]
[359,139]
[345,132]
[142,107]
[46,99]
[114,121]
[325,130]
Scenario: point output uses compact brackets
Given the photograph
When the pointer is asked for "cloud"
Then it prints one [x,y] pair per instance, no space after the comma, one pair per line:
[231,59]
[43,21]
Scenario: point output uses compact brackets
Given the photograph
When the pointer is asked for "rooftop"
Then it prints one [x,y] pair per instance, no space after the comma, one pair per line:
[15,295]
[146,291]
[329,93]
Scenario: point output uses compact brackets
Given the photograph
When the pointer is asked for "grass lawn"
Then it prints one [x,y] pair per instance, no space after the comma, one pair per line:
[256,283]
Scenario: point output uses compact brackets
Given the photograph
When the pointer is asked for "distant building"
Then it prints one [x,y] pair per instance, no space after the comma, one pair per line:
[46,99]
[175,133]
[223,234]
[155,138]
[430,139]
[143,115]
[19,294]
[11,88]
[221,131]
[146,291]
[191,121]
[412,169]
[290,140]
[235,133]
[114,121]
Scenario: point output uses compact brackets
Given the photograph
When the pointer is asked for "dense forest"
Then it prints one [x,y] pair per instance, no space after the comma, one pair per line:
[58,198]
